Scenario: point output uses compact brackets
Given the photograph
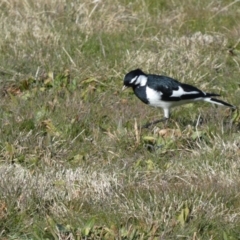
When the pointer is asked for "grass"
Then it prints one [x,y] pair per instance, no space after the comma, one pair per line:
[73,163]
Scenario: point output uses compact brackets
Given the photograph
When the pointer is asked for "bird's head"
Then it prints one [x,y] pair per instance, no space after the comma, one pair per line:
[134,78]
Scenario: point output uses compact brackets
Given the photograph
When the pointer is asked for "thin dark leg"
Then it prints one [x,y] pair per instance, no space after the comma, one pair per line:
[147,125]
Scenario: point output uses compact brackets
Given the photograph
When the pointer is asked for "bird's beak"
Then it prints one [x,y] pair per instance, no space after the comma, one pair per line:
[124,87]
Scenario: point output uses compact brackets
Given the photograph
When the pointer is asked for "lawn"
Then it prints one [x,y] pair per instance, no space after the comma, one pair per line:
[74,161]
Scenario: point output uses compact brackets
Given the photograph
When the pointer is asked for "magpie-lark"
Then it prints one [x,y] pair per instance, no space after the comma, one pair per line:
[166,92]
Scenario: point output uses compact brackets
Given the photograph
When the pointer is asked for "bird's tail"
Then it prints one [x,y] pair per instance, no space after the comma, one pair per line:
[217,101]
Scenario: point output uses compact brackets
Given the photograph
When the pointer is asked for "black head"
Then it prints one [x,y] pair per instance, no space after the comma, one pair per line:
[131,78]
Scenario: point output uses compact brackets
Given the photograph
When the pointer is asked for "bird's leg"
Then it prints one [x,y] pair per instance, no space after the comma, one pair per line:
[147,125]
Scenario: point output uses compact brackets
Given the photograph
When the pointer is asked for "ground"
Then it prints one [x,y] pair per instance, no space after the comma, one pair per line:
[74,161]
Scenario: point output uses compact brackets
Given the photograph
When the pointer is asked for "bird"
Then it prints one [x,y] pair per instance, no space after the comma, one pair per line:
[166,92]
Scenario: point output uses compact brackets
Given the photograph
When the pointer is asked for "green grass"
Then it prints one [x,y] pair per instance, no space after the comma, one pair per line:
[73,163]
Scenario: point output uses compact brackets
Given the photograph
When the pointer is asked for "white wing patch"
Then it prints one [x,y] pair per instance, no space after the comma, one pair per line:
[180,92]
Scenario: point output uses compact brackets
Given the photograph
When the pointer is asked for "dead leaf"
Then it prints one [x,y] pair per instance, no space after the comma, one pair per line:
[170,133]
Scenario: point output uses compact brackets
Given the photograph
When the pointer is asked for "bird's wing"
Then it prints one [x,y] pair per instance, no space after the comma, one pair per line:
[172,90]
[162,84]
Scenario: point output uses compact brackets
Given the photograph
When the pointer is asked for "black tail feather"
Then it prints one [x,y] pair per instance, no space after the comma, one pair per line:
[220,102]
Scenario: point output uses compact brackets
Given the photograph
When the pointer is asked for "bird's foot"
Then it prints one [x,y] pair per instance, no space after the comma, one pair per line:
[147,125]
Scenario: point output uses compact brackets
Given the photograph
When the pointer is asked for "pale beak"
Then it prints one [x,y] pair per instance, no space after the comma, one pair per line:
[124,87]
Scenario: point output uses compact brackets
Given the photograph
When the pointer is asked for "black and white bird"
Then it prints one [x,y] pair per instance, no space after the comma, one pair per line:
[166,92]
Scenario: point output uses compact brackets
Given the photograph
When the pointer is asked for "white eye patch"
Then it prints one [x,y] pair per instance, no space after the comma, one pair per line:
[139,80]
[133,79]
